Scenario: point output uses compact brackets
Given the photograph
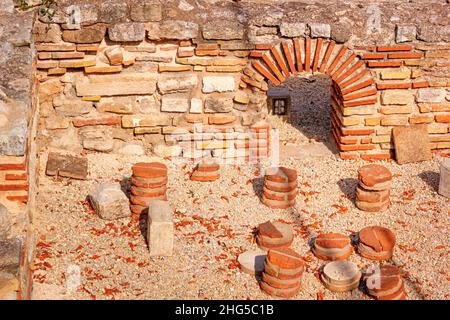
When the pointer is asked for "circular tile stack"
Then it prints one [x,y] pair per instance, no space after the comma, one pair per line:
[148,182]
[376,243]
[280,188]
[272,235]
[385,283]
[206,170]
[332,246]
[283,270]
[341,276]
[372,193]
[252,261]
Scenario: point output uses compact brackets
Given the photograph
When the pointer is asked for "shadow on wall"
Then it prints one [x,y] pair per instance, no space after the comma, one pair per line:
[311,106]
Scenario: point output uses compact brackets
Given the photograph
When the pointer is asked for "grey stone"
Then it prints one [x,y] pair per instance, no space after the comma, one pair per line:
[13,139]
[47,32]
[109,202]
[113,11]
[431,95]
[434,33]
[444,178]
[10,250]
[97,138]
[7,6]
[160,228]
[215,104]
[405,33]
[218,84]
[66,140]
[178,30]
[152,29]
[293,29]
[90,34]
[320,30]
[341,32]
[146,11]
[127,32]
[223,30]
[175,103]
[168,83]
[5,222]
[67,166]
[72,107]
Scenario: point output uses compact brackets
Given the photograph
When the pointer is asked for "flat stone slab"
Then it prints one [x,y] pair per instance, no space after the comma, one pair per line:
[412,143]
[160,228]
[252,261]
[67,166]
[109,201]
[444,179]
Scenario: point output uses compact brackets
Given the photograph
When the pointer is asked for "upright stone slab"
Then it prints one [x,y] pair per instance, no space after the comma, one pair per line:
[5,224]
[412,143]
[160,229]
[109,201]
[444,180]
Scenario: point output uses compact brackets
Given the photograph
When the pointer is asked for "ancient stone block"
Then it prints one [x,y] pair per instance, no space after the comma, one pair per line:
[13,137]
[150,120]
[196,105]
[223,30]
[320,30]
[179,30]
[170,83]
[160,228]
[431,95]
[9,255]
[97,138]
[215,104]
[114,85]
[412,143]
[146,11]
[218,84]
[114,55]
[71,107]
[434,33]
[397,97]
[5,222]
[45,32]
[113,12]
[90,34]
[67,166]
[295,29]
[121,105]
[444,179]
[405,33]
[127,32]
[395,74]
[175,103]
[109,201]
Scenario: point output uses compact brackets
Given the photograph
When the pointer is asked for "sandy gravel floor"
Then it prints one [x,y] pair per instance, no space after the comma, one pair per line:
[214,223]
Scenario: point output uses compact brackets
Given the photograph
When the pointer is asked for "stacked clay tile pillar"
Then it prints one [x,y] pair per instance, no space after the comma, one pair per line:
[280,188]
[206,170]
[149,181]
[373,191]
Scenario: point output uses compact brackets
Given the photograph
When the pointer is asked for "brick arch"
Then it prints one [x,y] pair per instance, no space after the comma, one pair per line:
[352,84]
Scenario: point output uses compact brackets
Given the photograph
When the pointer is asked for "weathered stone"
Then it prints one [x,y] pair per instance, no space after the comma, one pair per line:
[45,32]
[90,34]
[67,166]
[150,120]
[412,143]
[48,89]
[56,122]
[215,104]
[434,33]
[9,255]
[113,85]
[130,149]
[218,84]
[127,32]
[5,222]
[160,228]
[341,32]
[223,30]
[196,105]
[162,150]
[168,83]
[405,33]
[114,55]
[145,11]
[121,105]
[175,103]
[109,202]
[9,286]
[67,140]
[293,29]
[320,30]
[395,74]
[397,97]
[72,107]
[113,11]
[431,95]
[179,30]
[97,138]
[444,179]
[13,138]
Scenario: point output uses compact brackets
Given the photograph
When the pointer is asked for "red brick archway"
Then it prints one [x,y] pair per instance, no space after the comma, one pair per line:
[353,87]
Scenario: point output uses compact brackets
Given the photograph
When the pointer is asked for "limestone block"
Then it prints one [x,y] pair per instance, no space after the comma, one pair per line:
[90,34]
[320,30]
[405,33]
[169,83]
[218,84]
[5,222]
[294,29]
[9,255]
[160,229]
[71,107]
[97,138]
[149,120]
[215,104]
[175,103]
[178,30]
[67,166]
[397,97]
[116,85]
[145,11]
[395,74]
[196,105]
[223,30]
[412,143]
[444,179]
[431,95]
[127,32]
[120,105]
[109,201]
